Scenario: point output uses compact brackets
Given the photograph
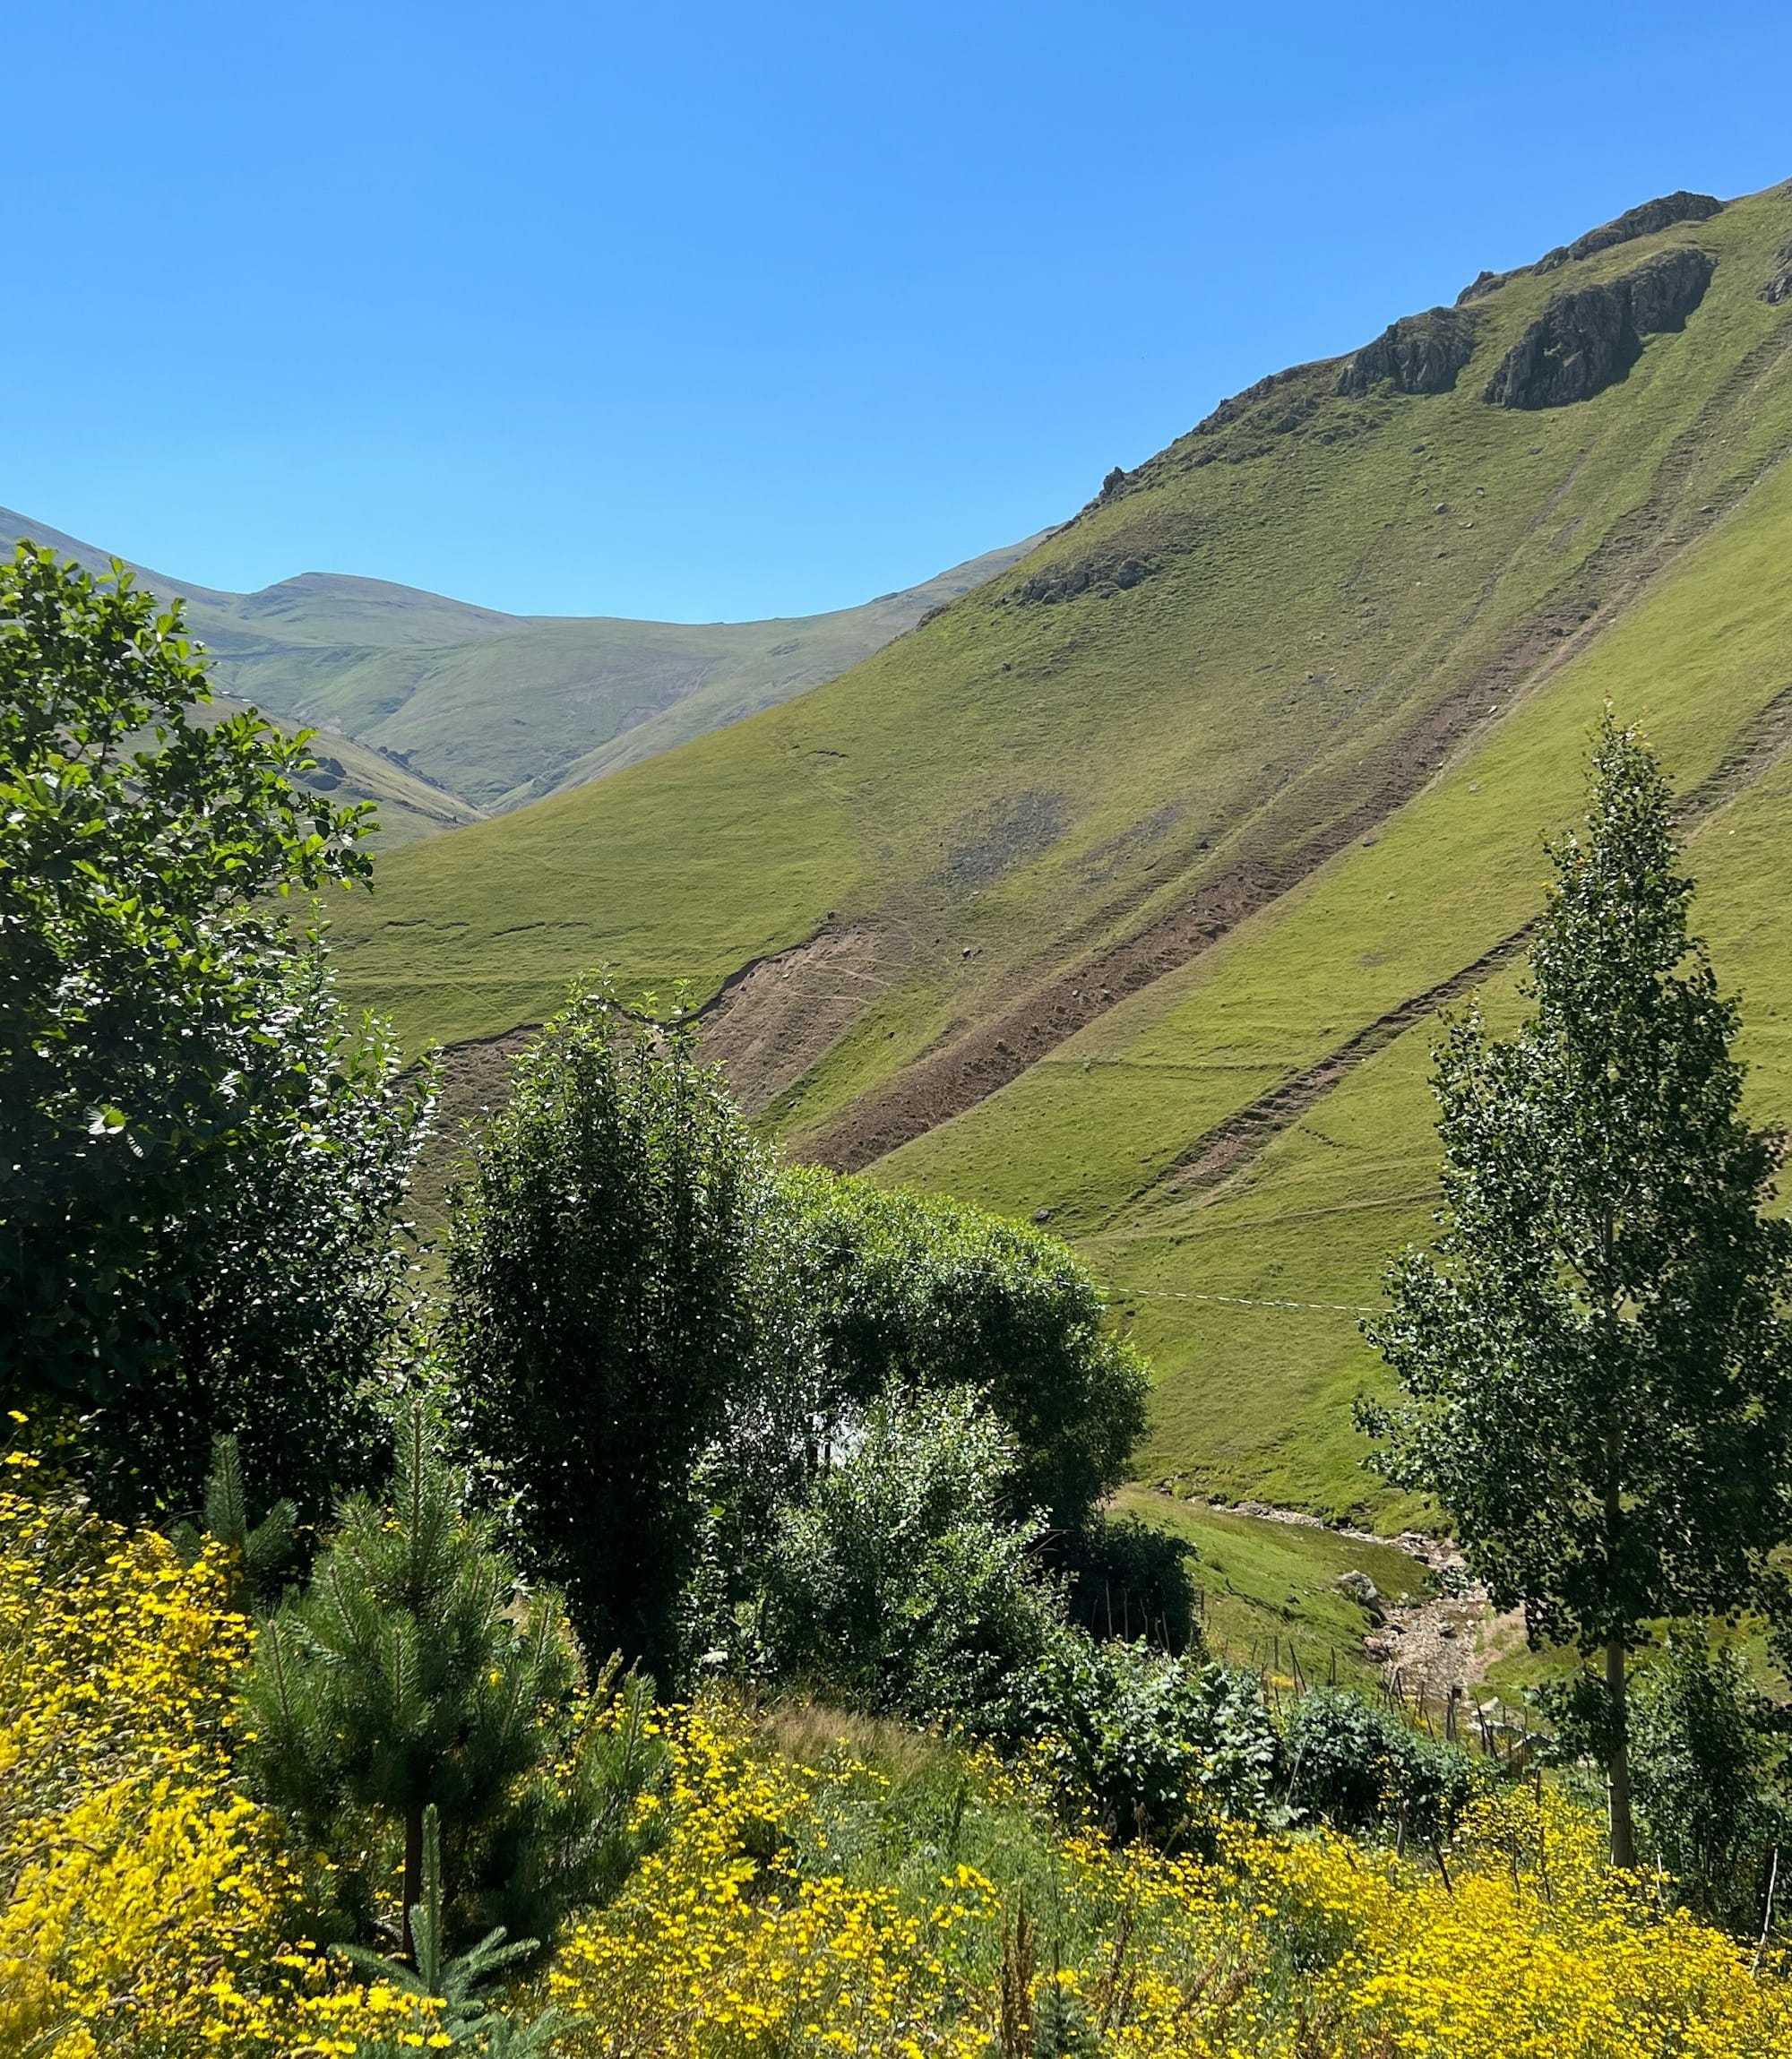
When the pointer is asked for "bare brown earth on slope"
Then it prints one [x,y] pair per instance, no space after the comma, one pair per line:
[777,1016]
[1233,1143]
[1310,824]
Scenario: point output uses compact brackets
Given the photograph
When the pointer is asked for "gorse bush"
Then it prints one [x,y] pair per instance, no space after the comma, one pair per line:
[822,1905]
[149,1909]
[822,1895]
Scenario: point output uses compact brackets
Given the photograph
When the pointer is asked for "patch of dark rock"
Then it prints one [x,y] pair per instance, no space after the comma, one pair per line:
[1004,834]
[1101,576]
[1779,287]
[1485,282]
[1418,353]
[1647,219]
[1587,340]
[1364,1591]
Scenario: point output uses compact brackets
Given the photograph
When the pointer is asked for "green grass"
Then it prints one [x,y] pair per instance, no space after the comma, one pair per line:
[498,710]
[998,793]
[1270,1590]
[409,808]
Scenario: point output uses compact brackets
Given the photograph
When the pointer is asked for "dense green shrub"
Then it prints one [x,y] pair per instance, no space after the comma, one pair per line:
[1361,1768]
[911,1293]
[897,1583]
[1124,1579]
[199,1161]
[1158,1746]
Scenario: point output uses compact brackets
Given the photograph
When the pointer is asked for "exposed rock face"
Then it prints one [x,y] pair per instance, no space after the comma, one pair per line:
[1484,284]
[1644,220]
[1666,289]
[1779,287]
[1254,398]
[1584,341]
[1101,576]
[1418,353]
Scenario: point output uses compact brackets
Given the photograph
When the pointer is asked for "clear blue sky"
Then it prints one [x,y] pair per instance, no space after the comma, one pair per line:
[702,311]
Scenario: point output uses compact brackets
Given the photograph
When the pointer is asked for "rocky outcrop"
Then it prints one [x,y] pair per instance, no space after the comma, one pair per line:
[1485,282]
[1418,353]
[1584,341]
[1647,219]
[1265,400]
[1101,576]
[1779,287]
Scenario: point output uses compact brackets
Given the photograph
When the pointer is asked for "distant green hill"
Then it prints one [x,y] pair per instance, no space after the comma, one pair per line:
[494,709]
[1123,892]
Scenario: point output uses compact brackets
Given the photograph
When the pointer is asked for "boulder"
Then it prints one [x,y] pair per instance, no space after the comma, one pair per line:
[1586,341]
[1418,353]
[1647,219]
[1362,1589]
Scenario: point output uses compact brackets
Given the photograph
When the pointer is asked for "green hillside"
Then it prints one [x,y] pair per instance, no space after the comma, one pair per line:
[497,709]
[1122,891]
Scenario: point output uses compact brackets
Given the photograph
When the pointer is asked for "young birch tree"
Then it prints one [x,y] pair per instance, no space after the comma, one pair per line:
[1598,1387]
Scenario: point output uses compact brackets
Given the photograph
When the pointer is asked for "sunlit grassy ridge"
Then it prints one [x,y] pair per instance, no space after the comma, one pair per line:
[483,710]
[1030,776]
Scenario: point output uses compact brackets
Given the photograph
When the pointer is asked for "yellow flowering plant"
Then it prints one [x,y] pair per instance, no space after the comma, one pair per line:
[816,1885]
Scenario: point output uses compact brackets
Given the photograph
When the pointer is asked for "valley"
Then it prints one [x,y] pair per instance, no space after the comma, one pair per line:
[1123,893]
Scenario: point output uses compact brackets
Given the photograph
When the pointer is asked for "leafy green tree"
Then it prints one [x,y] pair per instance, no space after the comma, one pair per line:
[198,1161]
[1707,1751]
[604,1314]
[1595,1365]
[900,1583]
[912,1294]
[414,1671]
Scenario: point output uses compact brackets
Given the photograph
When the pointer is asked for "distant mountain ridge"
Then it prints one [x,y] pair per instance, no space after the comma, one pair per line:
[490,710]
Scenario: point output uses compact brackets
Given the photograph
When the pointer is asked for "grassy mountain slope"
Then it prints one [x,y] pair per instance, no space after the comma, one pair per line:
[1123,889]
[409,808]
[497,709]
[1281,1239]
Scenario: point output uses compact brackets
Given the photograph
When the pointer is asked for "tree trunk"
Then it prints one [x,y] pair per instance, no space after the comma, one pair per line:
[413,1879]
[1618,1766]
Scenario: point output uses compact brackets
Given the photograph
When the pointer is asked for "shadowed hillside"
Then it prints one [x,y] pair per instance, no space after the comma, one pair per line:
[1122,891]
